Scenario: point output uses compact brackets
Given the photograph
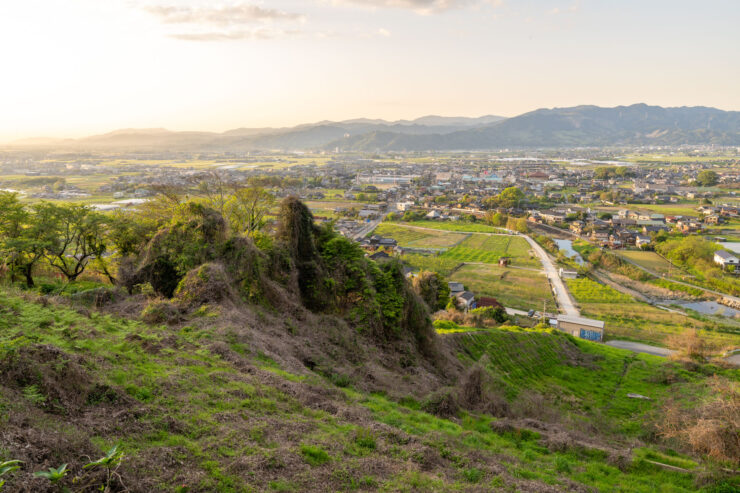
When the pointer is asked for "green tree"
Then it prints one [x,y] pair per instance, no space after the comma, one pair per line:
[76,235]
[707,178]
[511,197]
[247,208]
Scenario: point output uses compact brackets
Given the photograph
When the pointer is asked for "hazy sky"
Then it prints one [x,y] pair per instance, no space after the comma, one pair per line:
[75,67]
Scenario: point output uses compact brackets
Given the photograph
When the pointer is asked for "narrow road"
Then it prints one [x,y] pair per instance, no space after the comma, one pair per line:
[638,347]
[365,230]
[561,292]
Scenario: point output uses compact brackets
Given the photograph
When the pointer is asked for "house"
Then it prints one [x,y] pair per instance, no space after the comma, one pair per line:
[466,299]
[568,274]
[725,258]
[455,288]
[379,256]
[641,240]
[585,328]
[504,261]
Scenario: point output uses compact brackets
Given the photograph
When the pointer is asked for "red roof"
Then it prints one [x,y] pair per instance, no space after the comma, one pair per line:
[485,301]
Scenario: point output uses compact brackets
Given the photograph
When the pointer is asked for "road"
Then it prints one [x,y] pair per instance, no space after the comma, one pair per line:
[641,348]
[368,228]
[561,291]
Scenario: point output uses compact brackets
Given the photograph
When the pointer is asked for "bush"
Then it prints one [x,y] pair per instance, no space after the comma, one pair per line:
[161,311]
[314,455]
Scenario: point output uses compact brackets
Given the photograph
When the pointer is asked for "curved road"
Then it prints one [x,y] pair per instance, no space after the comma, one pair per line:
[561,292]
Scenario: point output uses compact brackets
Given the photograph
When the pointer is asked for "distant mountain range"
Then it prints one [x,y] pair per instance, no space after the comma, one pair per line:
[580,126]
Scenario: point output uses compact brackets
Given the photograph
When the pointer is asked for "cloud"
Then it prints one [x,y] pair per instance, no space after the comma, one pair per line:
[237,21]
[419,6]
[384,32]
[233,15]
[257,34]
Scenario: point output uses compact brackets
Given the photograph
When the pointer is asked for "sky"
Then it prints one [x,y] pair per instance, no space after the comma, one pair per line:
[71,68]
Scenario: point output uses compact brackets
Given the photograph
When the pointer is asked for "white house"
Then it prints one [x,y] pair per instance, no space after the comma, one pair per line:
[725,258]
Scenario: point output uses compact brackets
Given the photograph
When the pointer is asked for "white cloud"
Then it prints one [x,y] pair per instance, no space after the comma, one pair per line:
[419,6]
[384,32]
[237,21]
[237,14]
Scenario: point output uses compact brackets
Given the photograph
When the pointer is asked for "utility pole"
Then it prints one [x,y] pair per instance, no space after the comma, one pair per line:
[544,309]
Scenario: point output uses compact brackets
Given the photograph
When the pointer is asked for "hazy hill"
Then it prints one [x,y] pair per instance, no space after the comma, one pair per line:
[305,136]
[580,126]
[638,124]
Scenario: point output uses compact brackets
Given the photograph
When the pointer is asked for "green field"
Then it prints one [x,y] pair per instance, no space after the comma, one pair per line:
[587,291]
[488,249]
[433,263]
[514,288]
[628,319]
[649,260]
[417,238]
[461,226]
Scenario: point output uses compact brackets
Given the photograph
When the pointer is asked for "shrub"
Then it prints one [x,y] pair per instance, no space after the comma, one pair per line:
[314,455]
[161,311]
[711,428]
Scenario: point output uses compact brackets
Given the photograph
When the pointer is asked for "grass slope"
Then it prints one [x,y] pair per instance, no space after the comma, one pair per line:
[197,410]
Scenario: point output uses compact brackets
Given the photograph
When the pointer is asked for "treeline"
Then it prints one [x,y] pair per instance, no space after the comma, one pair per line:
[68,238]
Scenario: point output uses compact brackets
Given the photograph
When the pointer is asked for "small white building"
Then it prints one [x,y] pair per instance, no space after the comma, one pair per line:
[725,258]
[585,328]
[568,274]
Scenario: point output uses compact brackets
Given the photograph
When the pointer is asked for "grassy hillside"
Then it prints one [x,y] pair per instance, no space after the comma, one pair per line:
[195,409]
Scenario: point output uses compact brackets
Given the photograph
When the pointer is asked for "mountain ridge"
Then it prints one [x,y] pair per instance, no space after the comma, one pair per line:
[576,126]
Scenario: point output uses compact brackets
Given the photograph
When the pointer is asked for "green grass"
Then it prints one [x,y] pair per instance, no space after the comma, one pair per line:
[421,239]
[235,430]
[515,288]
[585,290]
[488,249]
[459,226]
[434,263]
[649,260]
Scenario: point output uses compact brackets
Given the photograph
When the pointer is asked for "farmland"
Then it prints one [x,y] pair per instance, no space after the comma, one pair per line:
[649,260]
[460,226]
[588,291]
[488,249]
[417,238]
[628,319]
[515,288]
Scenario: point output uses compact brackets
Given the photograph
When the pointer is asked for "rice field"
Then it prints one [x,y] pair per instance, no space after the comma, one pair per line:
[488,249]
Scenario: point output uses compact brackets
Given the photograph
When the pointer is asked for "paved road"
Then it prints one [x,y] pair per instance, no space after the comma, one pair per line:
[365,230]
[561,292]
[641,348]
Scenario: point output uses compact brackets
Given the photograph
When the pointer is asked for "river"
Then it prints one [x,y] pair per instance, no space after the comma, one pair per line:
[566,246]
